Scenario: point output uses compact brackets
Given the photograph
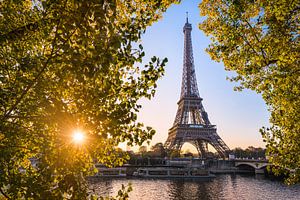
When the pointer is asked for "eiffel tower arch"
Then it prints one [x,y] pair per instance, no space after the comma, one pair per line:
[191,123]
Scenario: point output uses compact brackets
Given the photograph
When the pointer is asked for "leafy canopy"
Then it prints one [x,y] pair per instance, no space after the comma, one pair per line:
[68,65]
[259,40]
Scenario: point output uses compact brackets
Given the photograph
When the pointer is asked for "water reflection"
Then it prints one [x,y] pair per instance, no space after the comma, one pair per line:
[188,190]
[222,187]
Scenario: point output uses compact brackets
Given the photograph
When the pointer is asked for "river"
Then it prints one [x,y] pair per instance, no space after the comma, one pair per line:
[231,187]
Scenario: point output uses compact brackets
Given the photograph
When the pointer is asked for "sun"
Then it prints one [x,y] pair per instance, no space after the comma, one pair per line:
[78,136]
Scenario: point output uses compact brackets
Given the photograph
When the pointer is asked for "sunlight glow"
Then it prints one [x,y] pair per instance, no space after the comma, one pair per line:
[78,136]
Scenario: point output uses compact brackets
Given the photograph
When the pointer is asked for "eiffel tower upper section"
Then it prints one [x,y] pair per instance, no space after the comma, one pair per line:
[189,88]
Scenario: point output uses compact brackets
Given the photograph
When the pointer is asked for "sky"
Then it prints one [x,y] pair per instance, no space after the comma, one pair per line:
[237,115]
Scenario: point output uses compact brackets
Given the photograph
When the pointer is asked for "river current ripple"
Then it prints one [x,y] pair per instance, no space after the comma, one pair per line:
[231,187]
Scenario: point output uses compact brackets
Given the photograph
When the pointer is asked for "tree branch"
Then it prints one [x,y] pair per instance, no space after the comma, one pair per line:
[3,193]
[256,37]
[18,32]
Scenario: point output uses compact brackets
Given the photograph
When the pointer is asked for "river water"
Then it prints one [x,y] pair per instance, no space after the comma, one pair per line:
[231,187]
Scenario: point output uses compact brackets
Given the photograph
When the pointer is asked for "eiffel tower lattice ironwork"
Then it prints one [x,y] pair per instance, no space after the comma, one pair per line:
[191,122]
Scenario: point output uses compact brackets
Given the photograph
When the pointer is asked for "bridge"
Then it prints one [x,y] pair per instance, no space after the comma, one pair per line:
[258,166]
[214,165]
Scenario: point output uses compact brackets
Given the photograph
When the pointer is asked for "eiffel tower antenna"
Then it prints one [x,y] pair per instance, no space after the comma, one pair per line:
[191,123]
[187,17]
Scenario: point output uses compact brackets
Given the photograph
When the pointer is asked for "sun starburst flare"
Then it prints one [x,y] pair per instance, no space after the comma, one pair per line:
[78,136]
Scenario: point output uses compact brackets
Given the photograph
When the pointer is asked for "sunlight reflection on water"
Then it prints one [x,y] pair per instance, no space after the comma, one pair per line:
[231,187]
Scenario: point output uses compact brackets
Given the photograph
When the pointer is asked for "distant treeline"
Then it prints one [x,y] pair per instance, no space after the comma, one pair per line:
[158,151]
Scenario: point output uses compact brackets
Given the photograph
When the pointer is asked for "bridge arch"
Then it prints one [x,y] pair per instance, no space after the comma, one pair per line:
[246,164]
[253,164]
[246,167]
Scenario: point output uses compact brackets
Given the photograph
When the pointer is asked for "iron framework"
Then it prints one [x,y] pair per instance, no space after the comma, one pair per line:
[191,123]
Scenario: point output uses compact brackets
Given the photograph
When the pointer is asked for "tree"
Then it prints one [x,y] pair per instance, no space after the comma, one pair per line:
[249,152]
[159,150]
[142,150]
[259,40]
[67,65]
[174,153]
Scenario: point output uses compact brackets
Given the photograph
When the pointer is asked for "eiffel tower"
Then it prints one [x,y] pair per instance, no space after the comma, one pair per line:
[191,122]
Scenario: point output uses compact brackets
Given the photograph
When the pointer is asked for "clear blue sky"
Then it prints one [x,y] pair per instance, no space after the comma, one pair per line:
[238,115]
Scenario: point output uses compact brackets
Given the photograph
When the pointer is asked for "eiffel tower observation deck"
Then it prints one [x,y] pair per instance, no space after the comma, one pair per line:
[191,123]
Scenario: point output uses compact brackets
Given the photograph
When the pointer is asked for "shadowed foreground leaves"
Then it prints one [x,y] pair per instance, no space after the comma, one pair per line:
[259,40]
[68,65]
